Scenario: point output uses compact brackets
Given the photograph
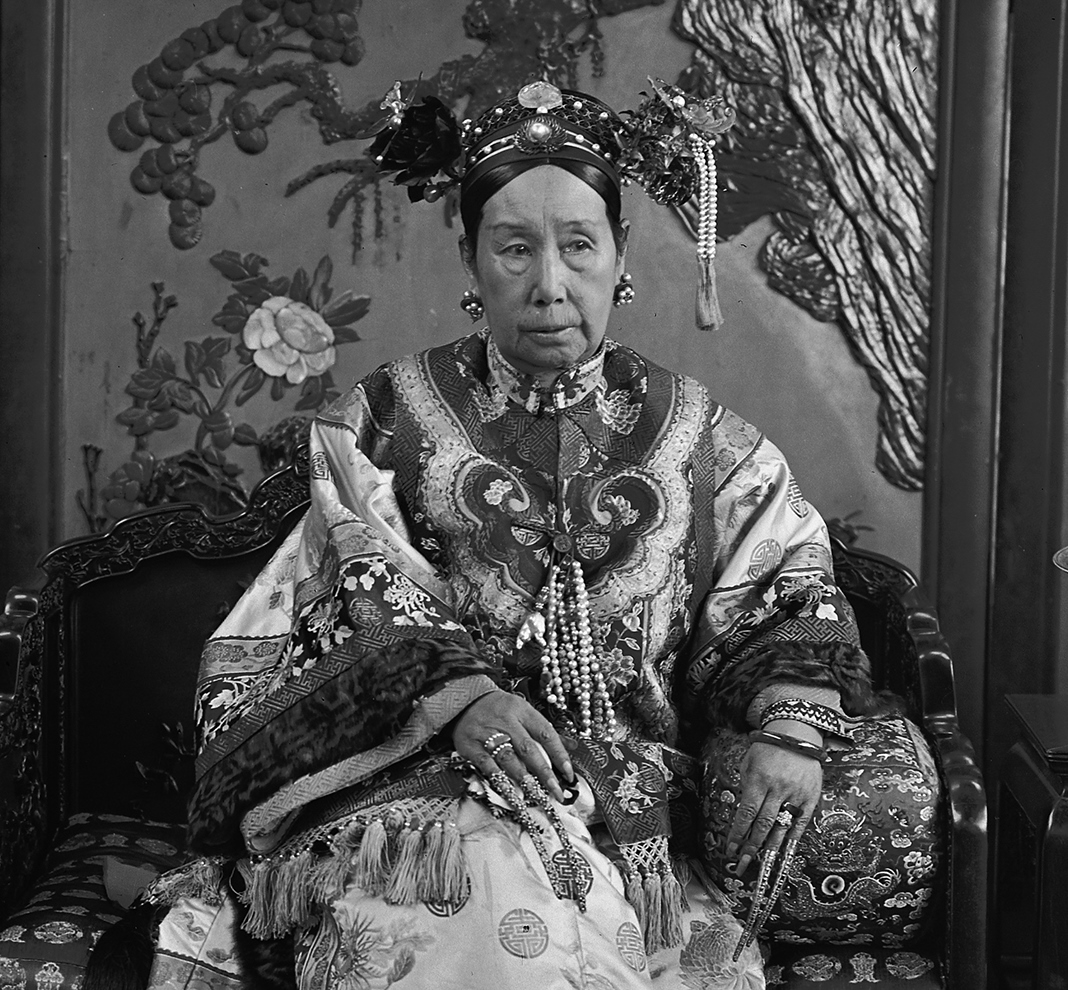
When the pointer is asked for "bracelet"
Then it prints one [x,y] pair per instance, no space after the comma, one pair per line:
[818,716]
[827,720]
[801,746]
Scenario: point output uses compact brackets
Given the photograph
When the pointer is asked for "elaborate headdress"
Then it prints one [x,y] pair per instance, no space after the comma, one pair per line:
[666,145]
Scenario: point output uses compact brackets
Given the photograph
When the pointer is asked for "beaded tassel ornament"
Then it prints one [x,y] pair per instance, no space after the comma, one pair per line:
[572,678]
[668,149]
[709,315]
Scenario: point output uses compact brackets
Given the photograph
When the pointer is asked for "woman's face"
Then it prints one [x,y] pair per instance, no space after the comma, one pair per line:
[546,267]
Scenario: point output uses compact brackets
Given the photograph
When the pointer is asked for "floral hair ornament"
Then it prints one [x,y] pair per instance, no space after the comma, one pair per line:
[420,143]
[665,145]
[669,152]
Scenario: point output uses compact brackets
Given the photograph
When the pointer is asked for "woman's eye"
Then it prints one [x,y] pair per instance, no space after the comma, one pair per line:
[517,250]
[577,247]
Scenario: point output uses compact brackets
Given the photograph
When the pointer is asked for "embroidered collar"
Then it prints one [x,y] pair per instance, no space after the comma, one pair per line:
[569,389]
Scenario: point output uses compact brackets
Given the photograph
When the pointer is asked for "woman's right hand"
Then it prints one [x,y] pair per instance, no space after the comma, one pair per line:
[520,737]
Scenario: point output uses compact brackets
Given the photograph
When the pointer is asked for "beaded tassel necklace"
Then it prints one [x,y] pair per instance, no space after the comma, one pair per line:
[572,677]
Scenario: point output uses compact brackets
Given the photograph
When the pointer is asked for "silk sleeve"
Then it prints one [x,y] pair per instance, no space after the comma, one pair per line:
[774,614]
[343,657]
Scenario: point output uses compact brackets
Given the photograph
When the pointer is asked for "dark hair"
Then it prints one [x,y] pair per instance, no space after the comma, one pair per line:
[474,197]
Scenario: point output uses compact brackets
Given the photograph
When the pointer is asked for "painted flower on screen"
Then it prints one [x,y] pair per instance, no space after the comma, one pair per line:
[289,339]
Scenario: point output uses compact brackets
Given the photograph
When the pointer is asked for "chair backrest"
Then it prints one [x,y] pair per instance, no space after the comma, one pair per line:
[105,660]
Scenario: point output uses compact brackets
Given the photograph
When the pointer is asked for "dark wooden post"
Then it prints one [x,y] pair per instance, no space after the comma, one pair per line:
[965,337]
[32,181]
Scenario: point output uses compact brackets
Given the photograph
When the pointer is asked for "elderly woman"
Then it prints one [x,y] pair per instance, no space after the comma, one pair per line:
[450,734]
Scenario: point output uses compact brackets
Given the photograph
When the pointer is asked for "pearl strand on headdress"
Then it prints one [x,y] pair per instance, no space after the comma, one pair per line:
[707,198]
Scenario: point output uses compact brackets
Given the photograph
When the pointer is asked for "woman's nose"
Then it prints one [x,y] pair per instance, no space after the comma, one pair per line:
[548,285]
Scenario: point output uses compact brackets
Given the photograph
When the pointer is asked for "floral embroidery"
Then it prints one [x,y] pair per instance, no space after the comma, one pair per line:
[407,596]
[618,412]
[376,567]
[618,668]
[827,611]
[628,790]
[497,490]
[323,617]
[725,459]
[625,513]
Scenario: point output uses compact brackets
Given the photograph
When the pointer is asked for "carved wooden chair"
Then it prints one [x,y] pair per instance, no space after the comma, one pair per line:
[97,669]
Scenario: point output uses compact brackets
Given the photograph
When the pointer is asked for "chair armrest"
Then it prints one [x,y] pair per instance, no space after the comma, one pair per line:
[966,796]
[966,922]
[23,807]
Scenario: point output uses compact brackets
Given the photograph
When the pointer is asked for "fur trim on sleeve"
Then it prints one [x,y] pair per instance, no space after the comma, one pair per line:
[835,665]
[352,712]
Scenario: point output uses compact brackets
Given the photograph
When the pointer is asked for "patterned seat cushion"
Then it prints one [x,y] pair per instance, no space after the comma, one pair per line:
[870,862]
[836,967]
[46,944]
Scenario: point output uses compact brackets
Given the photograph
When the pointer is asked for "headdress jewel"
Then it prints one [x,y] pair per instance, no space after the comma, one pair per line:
[665,145]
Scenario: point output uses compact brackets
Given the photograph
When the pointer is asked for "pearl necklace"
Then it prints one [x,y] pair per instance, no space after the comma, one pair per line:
[572,673]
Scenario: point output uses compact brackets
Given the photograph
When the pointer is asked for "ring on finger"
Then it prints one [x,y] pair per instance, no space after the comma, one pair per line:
[792,810]
[501,747]
[489,744]
[784,818]
[534,788]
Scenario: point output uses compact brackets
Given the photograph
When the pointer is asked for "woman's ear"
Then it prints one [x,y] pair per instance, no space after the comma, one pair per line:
[467,256]
[621,248]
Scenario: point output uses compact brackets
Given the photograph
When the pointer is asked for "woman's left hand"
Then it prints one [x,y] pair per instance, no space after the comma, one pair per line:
[773,780]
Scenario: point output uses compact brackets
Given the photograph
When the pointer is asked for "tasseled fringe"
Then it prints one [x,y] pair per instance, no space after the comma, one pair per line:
[371,868]
[680,867]
[673,904]
[453,867]
[403,886]
[709,315]
[202,878]
[279,895]
[403,860]
[654,908]
[658,901]
[635,896]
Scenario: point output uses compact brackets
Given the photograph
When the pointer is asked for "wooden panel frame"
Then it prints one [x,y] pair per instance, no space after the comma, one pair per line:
[32,245]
